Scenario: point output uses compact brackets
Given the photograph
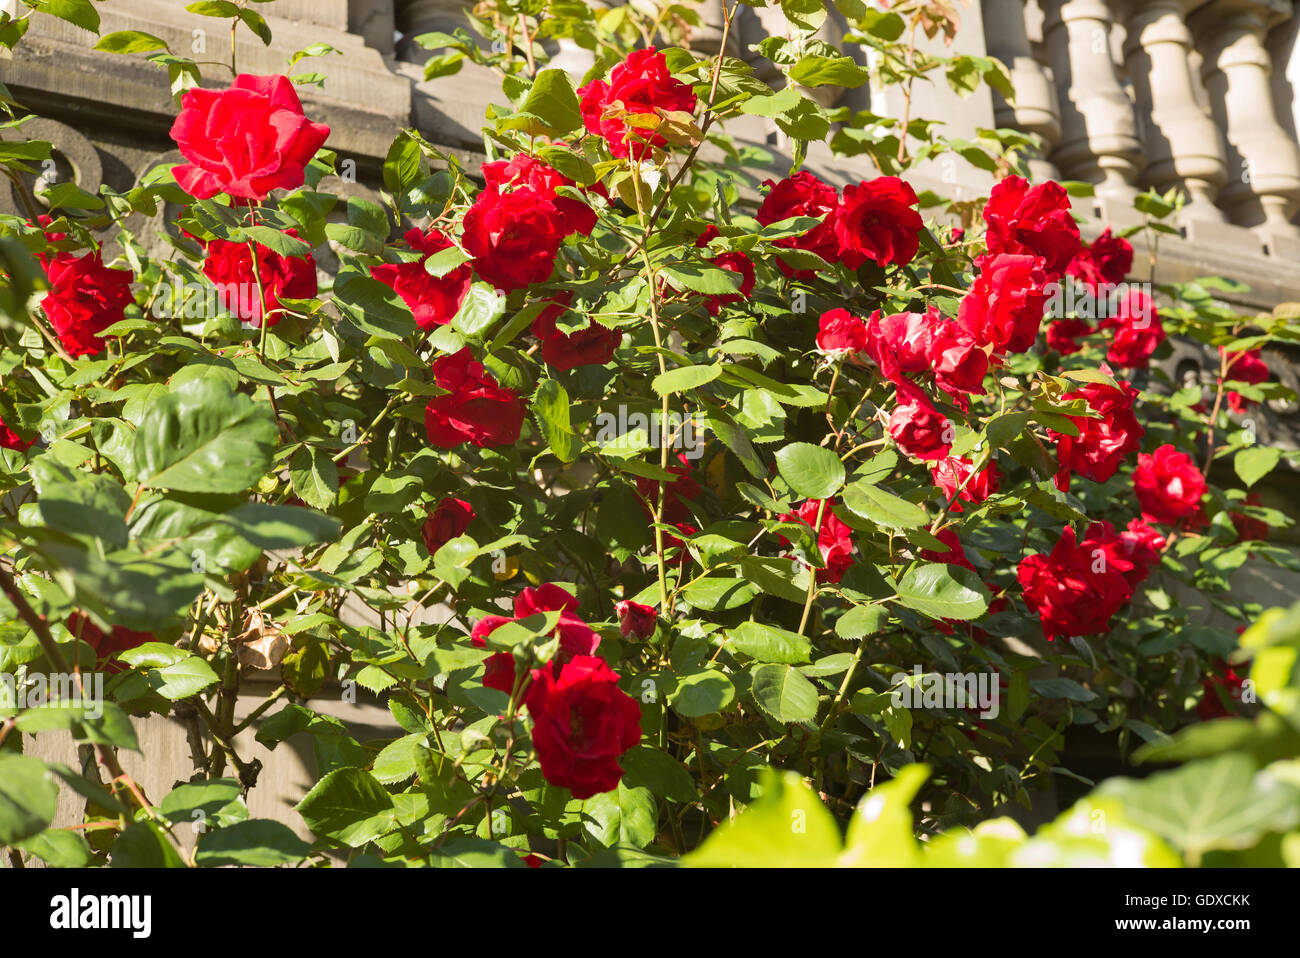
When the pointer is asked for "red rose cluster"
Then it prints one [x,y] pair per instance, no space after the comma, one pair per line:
[640,87]
[245,141]
[516,226]
[1031,238]
[582,720]
[230,267]
[1080,585]
[905,344]
[475,408]
[433,300]
[876,220]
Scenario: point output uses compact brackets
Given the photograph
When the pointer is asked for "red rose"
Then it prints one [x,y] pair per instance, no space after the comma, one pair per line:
[433,300]
[45,258]
[919,429]
[802,195]
[11,440]
[1246,366]
[840,334]
[635,621]
[1138,330]
[1006,302]
[245,141]
[475,408]
[1168,485]
[582,723]
[877,221]
[902,343]
[736,262]
[641,85]
[1142,546]
[528,173]
[1064,335]
[953,555]
[1222,691]
[959,363]
[1032,219]
[1104,442]
[1077,587]
[230,267]
[592,346]
[1105,261]
[677,493]
[447,522]
[86,297]
[834,538]
[513,237]
[1247,526]
[119,639]
[955,472]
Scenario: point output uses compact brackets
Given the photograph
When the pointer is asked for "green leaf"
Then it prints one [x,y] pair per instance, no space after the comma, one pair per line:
[182,679]
[59,848]
[144,845]
[256,843]
[281,527]
[552,100]
[202,437]
[710,280]
[685,378]
[27,798]
[880,832]
[625,815]
[885,509]
[1255,462]
[658,771]
[1219,803]
[550,406]
[314,477]
[943,591]
[702,693]
[787,827]
[783,693]
[81,13]
[482,307]
[349,806]
[767,643]
[828,71]
[130,41]
[813,472]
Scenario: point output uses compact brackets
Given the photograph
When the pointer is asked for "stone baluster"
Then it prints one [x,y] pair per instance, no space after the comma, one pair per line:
[1035,109]
[1263,186]
[1183,146]
[1099,140]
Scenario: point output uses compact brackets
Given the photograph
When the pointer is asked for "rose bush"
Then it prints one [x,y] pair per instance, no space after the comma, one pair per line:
[860,448]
